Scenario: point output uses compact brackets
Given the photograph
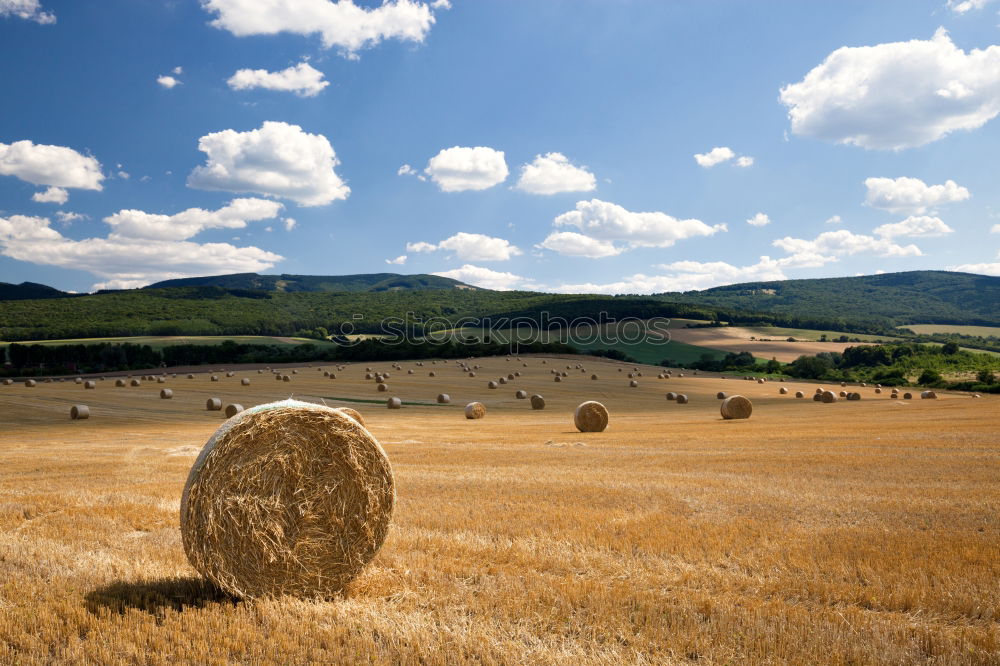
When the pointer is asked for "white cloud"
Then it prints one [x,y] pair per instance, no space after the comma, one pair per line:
[138,224]
[834,219]
[831,245]
[54,194]
[278,160]
[398,261]
[744,161]
[290,223]
[911,195]
[981,269]
[470,247]
[50,165]
[963,6]
[167,81]
[919,226]
[759,220]
[66,217]
[896,95]
[406,170]
[463,168]
[30,10]
[717,155]
[995,229]
[572,244]
[486,278]
[123,261]
[610,222]
[553,173]
[302,79]
[341,24]
[441,4]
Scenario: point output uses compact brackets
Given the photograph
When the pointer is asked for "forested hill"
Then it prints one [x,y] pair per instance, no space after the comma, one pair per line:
[28,290]
[325,283]
[931,297]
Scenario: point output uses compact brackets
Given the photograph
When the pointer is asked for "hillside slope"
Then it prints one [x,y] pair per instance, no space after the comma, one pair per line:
[29,290]
[323,283]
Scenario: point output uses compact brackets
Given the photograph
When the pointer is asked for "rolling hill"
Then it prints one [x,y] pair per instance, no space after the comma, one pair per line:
[29,290]
[318,283]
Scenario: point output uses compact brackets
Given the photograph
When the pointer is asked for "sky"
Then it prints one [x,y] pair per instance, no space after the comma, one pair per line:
[599,146]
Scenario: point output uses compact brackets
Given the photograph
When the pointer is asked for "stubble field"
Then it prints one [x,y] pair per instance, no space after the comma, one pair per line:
[856,532]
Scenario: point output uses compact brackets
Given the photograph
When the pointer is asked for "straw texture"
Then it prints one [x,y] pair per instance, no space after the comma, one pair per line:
[590,416]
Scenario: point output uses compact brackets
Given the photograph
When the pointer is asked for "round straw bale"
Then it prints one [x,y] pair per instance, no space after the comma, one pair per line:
[907,396]
[90,384]
[369,375]
[286,378]
[213,404]
[410,371]
[828,397]
[233,409]
[681,374]
[443,398]
[671,396]
[817,397]
[721,395]
[215,378]
[928,395]
[382,388]
[590,416]
[510,376]
[537,402]
[245,382]
[79,412]
[800,394]
[136,382]
[8,382]
[521,394]
[976,395]
[166,394]
[736,407]
[432,374]
[161,380]
[557,378]
[190,376]
[278,377]
[351,413]
[472,374]
[78,380]
[287,498]
[594,377]
[565,374]
[760,381]
[230,374]
[492,385]
[843,384]
[633,384]
[295,372]
[631,375]
[119,382]
[517,374]
[394,403]
[260,372]
[682,399]
[878,390]
[660,376]
[503,380]
[853,395]
[475,410]
[820,390]
[783,390]
[843,394]
[863,384]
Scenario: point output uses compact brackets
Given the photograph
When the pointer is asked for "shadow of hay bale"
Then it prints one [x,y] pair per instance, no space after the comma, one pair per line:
[156,597]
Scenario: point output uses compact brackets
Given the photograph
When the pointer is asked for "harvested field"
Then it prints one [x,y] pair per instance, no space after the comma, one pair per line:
[737,339]
[855,532]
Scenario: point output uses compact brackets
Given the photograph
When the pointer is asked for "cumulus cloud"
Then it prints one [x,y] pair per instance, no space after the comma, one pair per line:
[340,24]
[834,219]
[167,81]
[461,168]
[30,10]
[58,166]
[744,161]
[572,244]
[896,95]
[995,229]
[963,6]
[486,278]
[137,224]
[290,223]
[831,245]
[406,170]
[56,195]
[911,195]
[278,160]
[717,155]
[917,226]
[398,261]
[302,79]
[553,173]
[981,269]
[470,247]
[67,217]
[123,261]
[759,220]
[606,221]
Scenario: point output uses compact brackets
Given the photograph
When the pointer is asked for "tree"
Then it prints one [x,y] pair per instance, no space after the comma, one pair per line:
[986,377]
[929,377]
[949,348]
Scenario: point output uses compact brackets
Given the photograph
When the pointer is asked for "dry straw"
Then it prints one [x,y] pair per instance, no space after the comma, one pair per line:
[671,396]
[721,395]
[633,384]
[351,413]
[682,399]
[590,416]
[79,412]
[521,394]
[382,388]
[783,391]
[233,409]
[394,403]
[928,395]
[828,397]
[119,382]
[213,404]
[492,385]
[594,377]
[537,401]
[443,398]
[166,394]
[287,498]
[475,410]
[736,407]
[136,382]
[90,385]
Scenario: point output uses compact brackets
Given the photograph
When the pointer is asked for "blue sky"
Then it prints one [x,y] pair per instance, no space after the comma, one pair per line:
[627,146]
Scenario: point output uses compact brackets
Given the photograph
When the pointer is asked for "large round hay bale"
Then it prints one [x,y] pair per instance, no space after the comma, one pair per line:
[78,380]
[213,404]
[842,384]
[161,380]
[537,402]
[394,403]
[721,395]
[90,384]
[136,382]
[843,394]
[736,407]
[166,394]
[783,391]
[351,413]
[594,377]
[491,385]
[633,384]
[854,395]
[928,395]
[8,382]
[827,397]
[671,396]
[521,394]
[557,378]
[245,382]
[286,378]
[215,378]
[287,498]
[475,410]
[907,396]
[119,382]
[410,371]
[190,376]
[820,389]
[431,374]
[878,390]
[682,399]
[382,388]
[817,397]
[760,381]
[369,375]
[230,374]
[443,398]
[278,377]
[472,374]
[79,412]
[502,380]
[590,416]
[800,394]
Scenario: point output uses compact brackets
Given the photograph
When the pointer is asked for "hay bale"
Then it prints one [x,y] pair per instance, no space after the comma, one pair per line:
[161,380]
[878,390]
[136,382]
[166,394]
[976,395]
[213,404]
[682,399]
[491,385]
[521,394]
[382,388]
[233,409]
[800,394]
[90,385]
[907,396]
[660,376]
[431,374]
[760,381]
[79,412]
[590,416]
[443,398]
[827,397]
[475,410]
[557,378]
[633,384]
[820,390]
[594,377]
[351,413]
[8,382]
[503,380]
[817,397]
[394,403]
[928,395]
[286,378]
[721,395]
[671,396]
[78,380]
[853,395]
[287,498]
[260,372]
[537,401]
[215,378]
[278,377]
[736,407]
[245,382]
[410,371]
[230,374]
[783,391]
[842,384]
[295,372]
[369,375]
[843,394]
[472,374]
[190,376]
[119,382]
[681,374]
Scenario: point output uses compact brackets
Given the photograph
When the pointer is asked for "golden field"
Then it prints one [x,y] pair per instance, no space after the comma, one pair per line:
[852,533]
